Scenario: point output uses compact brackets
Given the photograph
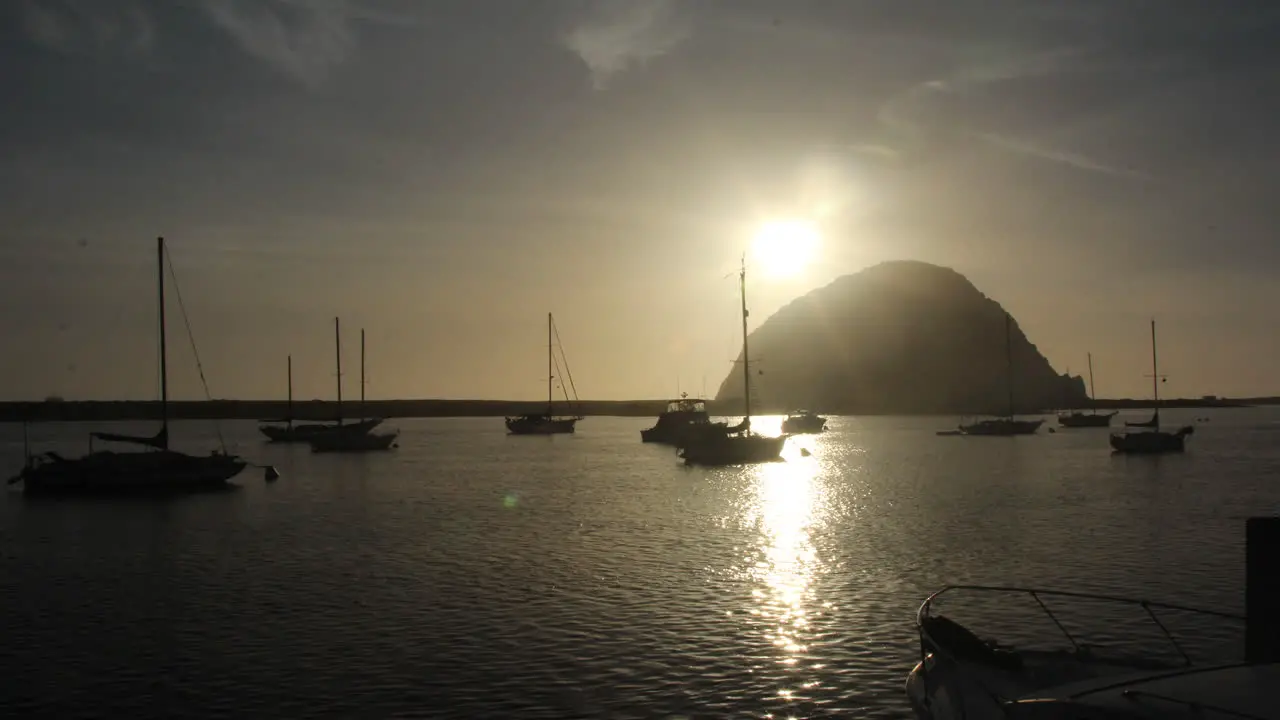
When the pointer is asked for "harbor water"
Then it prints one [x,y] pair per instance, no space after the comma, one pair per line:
[474,574]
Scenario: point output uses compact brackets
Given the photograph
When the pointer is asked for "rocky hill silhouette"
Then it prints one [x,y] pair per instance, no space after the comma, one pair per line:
[899,337]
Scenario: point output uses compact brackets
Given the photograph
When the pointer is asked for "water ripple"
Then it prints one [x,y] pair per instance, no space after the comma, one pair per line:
[473,574]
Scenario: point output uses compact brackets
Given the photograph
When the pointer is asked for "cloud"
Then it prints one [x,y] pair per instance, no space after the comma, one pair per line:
[872,151]
[304,40]
[618,34]
[882,152]
[1080,162]
[79,26]
[1001,98]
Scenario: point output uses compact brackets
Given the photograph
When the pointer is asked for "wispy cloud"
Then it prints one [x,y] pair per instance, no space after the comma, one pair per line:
[1080,162]
[304,40]
[617,34]
[968,102]
[902,112]
[911,111]
[870,150]
[75,26]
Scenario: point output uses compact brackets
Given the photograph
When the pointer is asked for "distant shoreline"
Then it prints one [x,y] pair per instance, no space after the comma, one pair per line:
[109,410]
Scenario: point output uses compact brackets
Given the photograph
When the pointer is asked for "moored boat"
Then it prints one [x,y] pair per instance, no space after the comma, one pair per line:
[354,443]
[1150,439]
[1091,419]
[157,469]
[804,422]
[738,445]
[1008,424]
[1079,419]
[963,675]
[339,440]
[549,423]
[682,419]
[1001,427]
[285,430]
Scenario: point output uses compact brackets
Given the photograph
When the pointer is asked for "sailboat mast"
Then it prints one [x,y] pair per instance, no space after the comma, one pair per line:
[1093,397]
[1008,357]
[164,360]
[1155,375]
[550,372]
[289,401]
[337,348]
[362,373]
[746,358]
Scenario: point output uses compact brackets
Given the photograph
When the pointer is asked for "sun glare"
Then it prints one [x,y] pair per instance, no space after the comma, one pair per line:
[784,248]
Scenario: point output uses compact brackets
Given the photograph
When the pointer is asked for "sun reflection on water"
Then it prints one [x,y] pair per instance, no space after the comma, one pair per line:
[787,500]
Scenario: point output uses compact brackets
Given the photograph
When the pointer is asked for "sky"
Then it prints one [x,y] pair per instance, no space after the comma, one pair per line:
[444,173]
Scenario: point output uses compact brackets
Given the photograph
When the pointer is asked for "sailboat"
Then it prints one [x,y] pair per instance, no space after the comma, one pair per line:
[738,445]
[548,423]
[1008,424]
[155,469]
[1151,440]
[285,431]
[1091,419]
[354,442]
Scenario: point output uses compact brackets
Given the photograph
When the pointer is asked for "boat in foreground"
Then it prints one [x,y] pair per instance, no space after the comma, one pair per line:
[682,419]
[962,675]
[105,472]
[548,423]
[1151,440]
[742,449]
[737,445]
[155,470]
[803,422]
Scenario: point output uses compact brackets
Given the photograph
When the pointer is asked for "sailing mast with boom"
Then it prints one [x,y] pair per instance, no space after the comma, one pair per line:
[548,423]
[1009,424]
[1093,418]
[737,445]
[291,433]
[355,442]
[154,469]
[1151,440]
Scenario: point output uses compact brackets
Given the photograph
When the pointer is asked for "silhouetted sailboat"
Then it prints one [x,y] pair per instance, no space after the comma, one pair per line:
[739,446]
[354,442]
[1007,425]
[1152,440]
[548,423]
[1091,419]
[157,469]
[285,431]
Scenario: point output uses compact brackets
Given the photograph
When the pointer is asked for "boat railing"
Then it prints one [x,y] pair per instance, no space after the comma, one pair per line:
[1043,599]
[1040,596]
[1196,706]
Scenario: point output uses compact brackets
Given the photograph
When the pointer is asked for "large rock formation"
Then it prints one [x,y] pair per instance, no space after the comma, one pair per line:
[899,337]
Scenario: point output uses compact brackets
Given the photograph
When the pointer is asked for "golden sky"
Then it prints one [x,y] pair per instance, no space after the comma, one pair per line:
[443,175]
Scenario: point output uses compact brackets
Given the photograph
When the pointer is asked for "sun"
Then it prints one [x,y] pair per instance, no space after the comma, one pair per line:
[784,248]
